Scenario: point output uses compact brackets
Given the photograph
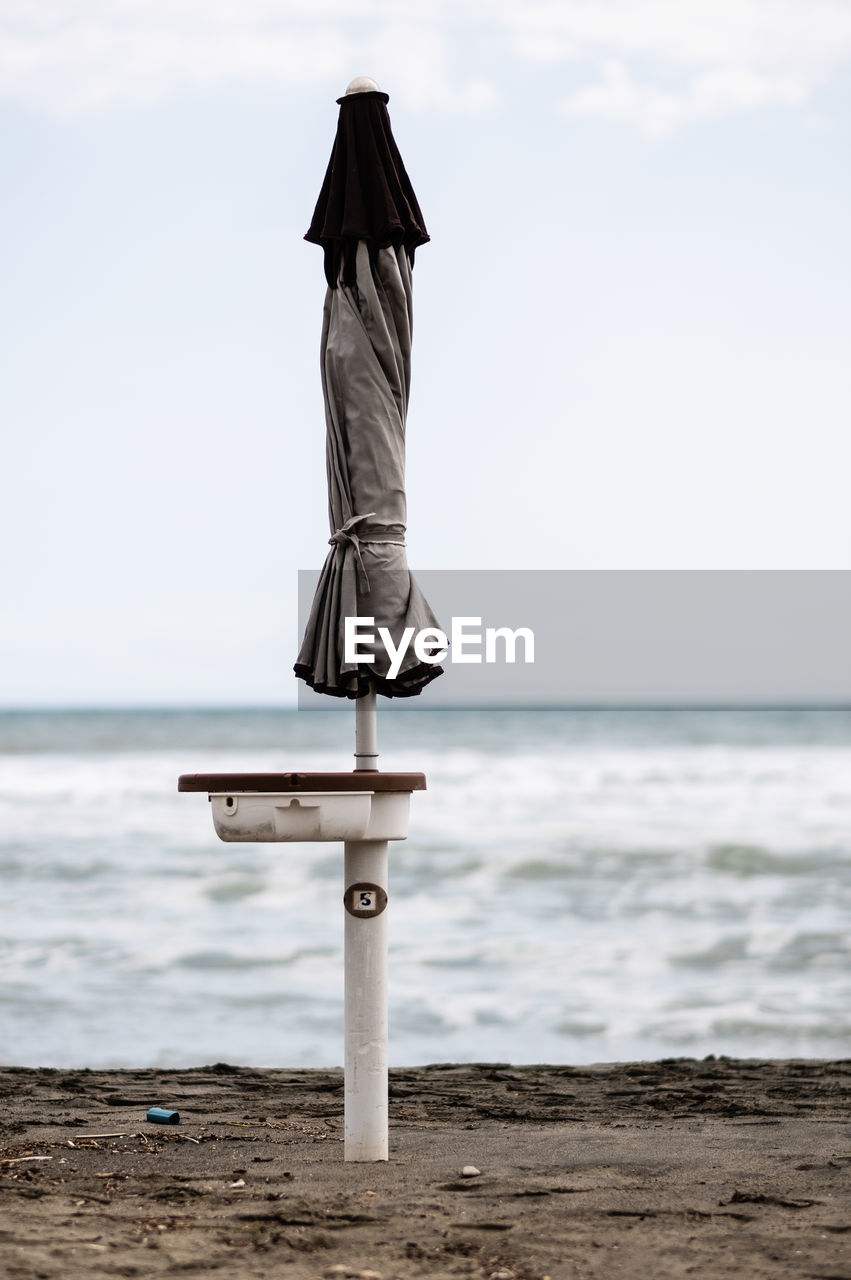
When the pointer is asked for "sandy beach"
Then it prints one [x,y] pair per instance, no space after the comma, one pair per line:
[706,1168]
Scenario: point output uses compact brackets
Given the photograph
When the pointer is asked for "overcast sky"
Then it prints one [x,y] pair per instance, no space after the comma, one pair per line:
[632,324]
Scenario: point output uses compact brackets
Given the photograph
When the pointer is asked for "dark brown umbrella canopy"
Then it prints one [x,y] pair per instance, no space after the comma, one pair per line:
[369,223]
[367,194]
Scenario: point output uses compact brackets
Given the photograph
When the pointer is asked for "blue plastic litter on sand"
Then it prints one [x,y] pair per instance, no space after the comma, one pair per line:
[158,1115]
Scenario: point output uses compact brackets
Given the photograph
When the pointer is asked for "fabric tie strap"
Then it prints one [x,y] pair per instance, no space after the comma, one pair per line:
[347,534]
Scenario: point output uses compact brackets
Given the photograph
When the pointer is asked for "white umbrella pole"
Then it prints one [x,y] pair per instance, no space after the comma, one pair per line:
[366,732]
[365,1088]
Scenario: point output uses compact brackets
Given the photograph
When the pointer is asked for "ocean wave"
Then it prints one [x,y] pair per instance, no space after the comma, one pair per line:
[574,887]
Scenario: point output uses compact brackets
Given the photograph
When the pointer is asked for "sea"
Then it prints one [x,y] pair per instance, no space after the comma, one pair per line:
[585,885]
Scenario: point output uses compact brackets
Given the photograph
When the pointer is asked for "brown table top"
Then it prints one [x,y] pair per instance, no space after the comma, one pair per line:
[358,780]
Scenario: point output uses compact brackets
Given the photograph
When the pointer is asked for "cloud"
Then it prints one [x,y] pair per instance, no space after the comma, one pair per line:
[660,111]
[661,64]
[71,56]
[67,56]
[657,64]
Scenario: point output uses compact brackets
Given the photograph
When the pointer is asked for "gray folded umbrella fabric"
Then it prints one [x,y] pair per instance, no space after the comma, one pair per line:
[366,371]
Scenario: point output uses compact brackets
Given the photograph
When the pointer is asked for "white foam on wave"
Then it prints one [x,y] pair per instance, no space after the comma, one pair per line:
[558,898]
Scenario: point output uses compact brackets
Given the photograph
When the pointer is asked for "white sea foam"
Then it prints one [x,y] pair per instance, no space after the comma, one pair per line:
[575,887]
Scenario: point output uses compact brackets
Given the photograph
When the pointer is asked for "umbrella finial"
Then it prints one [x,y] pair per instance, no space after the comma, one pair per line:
[362,84]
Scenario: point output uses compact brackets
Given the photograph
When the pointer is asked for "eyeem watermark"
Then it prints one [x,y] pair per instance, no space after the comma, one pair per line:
[466,642]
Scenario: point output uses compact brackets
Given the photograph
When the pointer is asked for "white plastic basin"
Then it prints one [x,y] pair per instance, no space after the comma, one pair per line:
[317,815]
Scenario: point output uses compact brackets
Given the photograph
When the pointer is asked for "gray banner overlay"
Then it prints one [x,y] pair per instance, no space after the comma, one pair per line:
[644,638]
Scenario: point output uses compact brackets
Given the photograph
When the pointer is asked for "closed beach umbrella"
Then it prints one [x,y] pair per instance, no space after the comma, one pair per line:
[369,224]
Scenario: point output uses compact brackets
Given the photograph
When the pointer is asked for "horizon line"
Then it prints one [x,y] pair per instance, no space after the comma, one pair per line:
[344,704]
